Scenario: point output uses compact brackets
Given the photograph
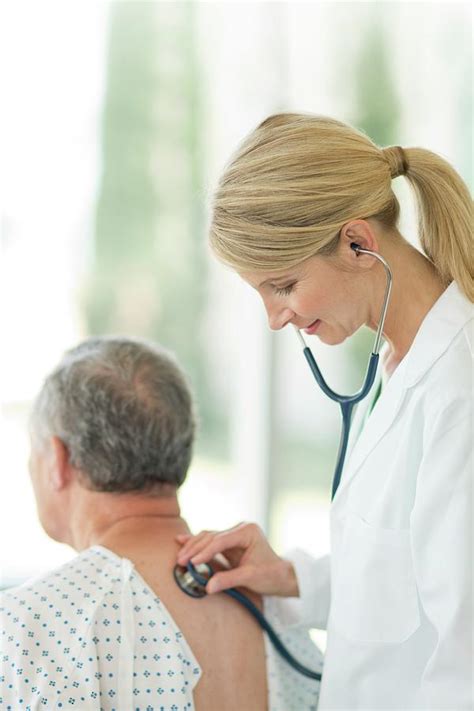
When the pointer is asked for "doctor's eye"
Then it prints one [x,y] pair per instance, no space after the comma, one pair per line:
[284,291]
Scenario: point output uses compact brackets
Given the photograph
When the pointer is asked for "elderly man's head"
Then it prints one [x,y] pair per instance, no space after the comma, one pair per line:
[120,413]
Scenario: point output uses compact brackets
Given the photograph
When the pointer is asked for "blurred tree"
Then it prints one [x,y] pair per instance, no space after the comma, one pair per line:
[127,208]
[149,270]
[376,111]
[376,105]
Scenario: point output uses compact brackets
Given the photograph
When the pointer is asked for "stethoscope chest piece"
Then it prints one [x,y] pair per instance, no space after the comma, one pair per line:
[194,586]
[193,580]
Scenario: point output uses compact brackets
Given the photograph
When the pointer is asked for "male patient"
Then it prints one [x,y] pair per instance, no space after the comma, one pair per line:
[111,441]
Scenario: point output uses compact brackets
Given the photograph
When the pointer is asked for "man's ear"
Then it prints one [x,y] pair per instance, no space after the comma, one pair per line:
[60,470]
[362,233]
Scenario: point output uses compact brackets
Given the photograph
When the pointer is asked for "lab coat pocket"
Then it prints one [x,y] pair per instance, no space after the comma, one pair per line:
[375,597]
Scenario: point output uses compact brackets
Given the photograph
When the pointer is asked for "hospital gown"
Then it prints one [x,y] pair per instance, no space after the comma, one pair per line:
[92,636]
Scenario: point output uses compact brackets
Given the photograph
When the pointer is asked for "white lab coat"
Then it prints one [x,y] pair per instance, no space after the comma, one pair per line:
[396,593]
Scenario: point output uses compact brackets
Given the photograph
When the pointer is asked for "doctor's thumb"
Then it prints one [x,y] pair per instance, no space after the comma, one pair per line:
[216,584]
[228,579]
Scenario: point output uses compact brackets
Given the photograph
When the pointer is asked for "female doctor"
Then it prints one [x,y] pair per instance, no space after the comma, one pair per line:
[394,595]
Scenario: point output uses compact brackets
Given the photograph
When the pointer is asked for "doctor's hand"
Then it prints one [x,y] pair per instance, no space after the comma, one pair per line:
[253,563]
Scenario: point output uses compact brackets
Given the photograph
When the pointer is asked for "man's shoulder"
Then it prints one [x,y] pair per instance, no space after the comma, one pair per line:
[76,578]
[32,586]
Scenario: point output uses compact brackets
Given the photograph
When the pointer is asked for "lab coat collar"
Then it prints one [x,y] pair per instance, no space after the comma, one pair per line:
[449,315]
[443,322]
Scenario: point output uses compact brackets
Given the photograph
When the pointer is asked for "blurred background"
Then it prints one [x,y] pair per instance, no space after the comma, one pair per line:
[120,117]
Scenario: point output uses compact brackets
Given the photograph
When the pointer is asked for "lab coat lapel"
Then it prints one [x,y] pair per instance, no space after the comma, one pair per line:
[380,420]
[451,313]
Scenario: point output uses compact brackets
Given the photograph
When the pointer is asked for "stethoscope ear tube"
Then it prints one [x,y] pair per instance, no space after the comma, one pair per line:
[193,583]
[347,402]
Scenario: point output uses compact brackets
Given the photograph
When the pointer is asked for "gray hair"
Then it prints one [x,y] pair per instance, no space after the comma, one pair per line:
[124,410]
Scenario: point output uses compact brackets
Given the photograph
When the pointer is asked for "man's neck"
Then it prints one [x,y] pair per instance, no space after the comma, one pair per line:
[97,517]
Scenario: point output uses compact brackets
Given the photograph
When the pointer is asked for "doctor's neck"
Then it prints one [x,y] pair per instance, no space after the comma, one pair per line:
[415,289]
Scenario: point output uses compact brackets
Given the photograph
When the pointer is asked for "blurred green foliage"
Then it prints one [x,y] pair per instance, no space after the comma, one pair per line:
[377,107]
[305,464]
[149,268]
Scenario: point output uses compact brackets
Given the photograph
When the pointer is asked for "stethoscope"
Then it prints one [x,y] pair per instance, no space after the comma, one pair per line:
[347,402]
[193,580]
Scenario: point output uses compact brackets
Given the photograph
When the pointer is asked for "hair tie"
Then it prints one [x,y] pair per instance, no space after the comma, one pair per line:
[397,160]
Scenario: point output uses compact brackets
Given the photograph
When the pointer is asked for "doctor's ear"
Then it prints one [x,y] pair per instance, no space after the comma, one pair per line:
[357,233]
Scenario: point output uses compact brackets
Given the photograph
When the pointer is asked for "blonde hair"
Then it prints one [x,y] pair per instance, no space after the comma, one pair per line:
[297,179]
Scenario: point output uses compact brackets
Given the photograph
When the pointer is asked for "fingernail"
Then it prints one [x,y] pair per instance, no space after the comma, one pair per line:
[212,587]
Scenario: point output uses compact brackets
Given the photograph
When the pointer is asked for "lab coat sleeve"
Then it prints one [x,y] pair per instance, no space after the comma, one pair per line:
[442,558]
[311,608]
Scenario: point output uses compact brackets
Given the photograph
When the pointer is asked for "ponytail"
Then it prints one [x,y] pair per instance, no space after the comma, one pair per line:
[444,217]
[296,180]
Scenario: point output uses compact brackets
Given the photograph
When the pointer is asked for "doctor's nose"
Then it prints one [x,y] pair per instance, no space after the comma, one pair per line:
[278,319]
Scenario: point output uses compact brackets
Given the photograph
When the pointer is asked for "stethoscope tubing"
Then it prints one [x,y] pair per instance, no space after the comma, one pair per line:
[276,641]
[347,402]
[260,618]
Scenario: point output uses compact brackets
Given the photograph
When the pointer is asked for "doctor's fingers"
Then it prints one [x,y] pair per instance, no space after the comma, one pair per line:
[245,539]
[247,576]
[193,545]
[266,578]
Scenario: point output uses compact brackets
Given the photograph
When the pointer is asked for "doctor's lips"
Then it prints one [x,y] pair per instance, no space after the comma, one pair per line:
[313,327]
